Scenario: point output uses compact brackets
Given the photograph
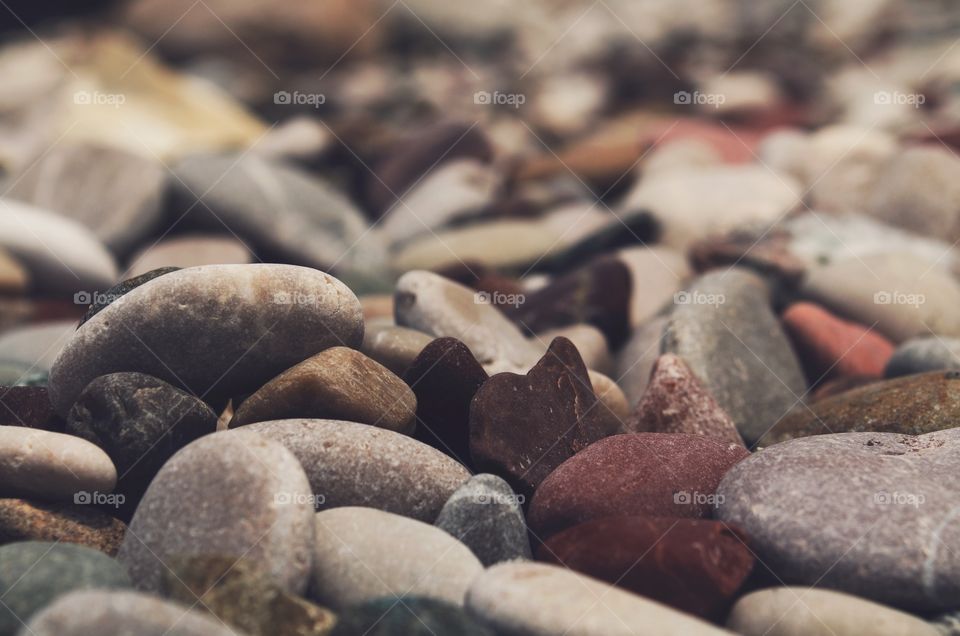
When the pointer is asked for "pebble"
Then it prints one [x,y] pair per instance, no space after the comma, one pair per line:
[885,533]
[353,563]
[677,402]
[34,573]
[724,329]
[636,359]
[191,250]
[440,307]
[244,323]
[115,293]
[590,342]
[650,474]
[14,279]
[610,396]
[230,476]
[487,516]
[408,616]
[23,520]
[60,255]
[694,565]
[556,406]
[338,383]
[54,466]
[802,611]
[351,464]
[656,274]
[88,612]
[394,347]
[919,355]
[28,406]
[36,346]
[911,405]
[534,599]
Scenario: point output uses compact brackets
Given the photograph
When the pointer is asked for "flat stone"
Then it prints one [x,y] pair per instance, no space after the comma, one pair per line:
[677,402]
[648,474]
[23,520]
[524,426]
[339,384]
[437,306]
[656,274]
[235,327]
[919,355]
[636,359]
[140,421]
[408,616]
[694,565]
[487,516]
[34,573]
[36,345]
[912,405]
[394,347]
[445,376]
[724,329]
[231,477]
[886,534]
[105,612]
[361,554]
[351,464]
[190,250]
[804,611]
[28,406]
[13,277]
[542,600]
[46,465]
[101,300]
[60,255]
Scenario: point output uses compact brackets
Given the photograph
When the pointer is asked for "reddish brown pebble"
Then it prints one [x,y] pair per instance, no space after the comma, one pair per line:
[28,406]
[22,520]
[651,474]
[694,565]
[677,402]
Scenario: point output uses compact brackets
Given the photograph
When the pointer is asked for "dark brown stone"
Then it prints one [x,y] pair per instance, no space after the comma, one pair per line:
[769,255]
[22,520]
[28,406]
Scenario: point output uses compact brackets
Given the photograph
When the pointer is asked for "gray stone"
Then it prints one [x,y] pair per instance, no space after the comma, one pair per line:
[190,250]
[636,359]
[394,347]
[919,355]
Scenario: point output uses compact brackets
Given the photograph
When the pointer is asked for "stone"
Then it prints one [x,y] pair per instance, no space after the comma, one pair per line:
[722,326]
[111,612]
[23,520]
[831,388]
[408,615]
[394,347]
[637,358]
[677,402]
[60,255]
[885,533]
[361,554]
[351,464]
[14,279]
[338,383]
[445,377]
[693,565]
[190,250]
[244,596]
[248,497]
[910,405]
[34,573]
[610,396]
[919,355]
[114,192]
[487,516]
[299,138]
[656,274]
[767,253]
[535,599]
[829,347]
[524,426]
[590,342]
[101,300]
[36,345]
[803,611]
[54,466]
[648,474]
[278,316]
[28,406]
[437,306]
[140,422]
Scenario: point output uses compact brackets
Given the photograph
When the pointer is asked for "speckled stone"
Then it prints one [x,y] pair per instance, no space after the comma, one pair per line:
[361,554]
[248,496]
[694,565]
[487,516]
[28,406]
[394,347]
[805,611]
[191,250]
[34,573]
[105,612]
[115,293]
[911,405]
[650,474]
[278,316]
[885,532]
[22,520]
[350,464]
[54,466]
[557,408]
[339,384]
[408,616]
[919,355]
[535,599]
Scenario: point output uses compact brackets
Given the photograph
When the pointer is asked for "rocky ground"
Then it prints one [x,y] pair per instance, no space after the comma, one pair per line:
[538,318]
